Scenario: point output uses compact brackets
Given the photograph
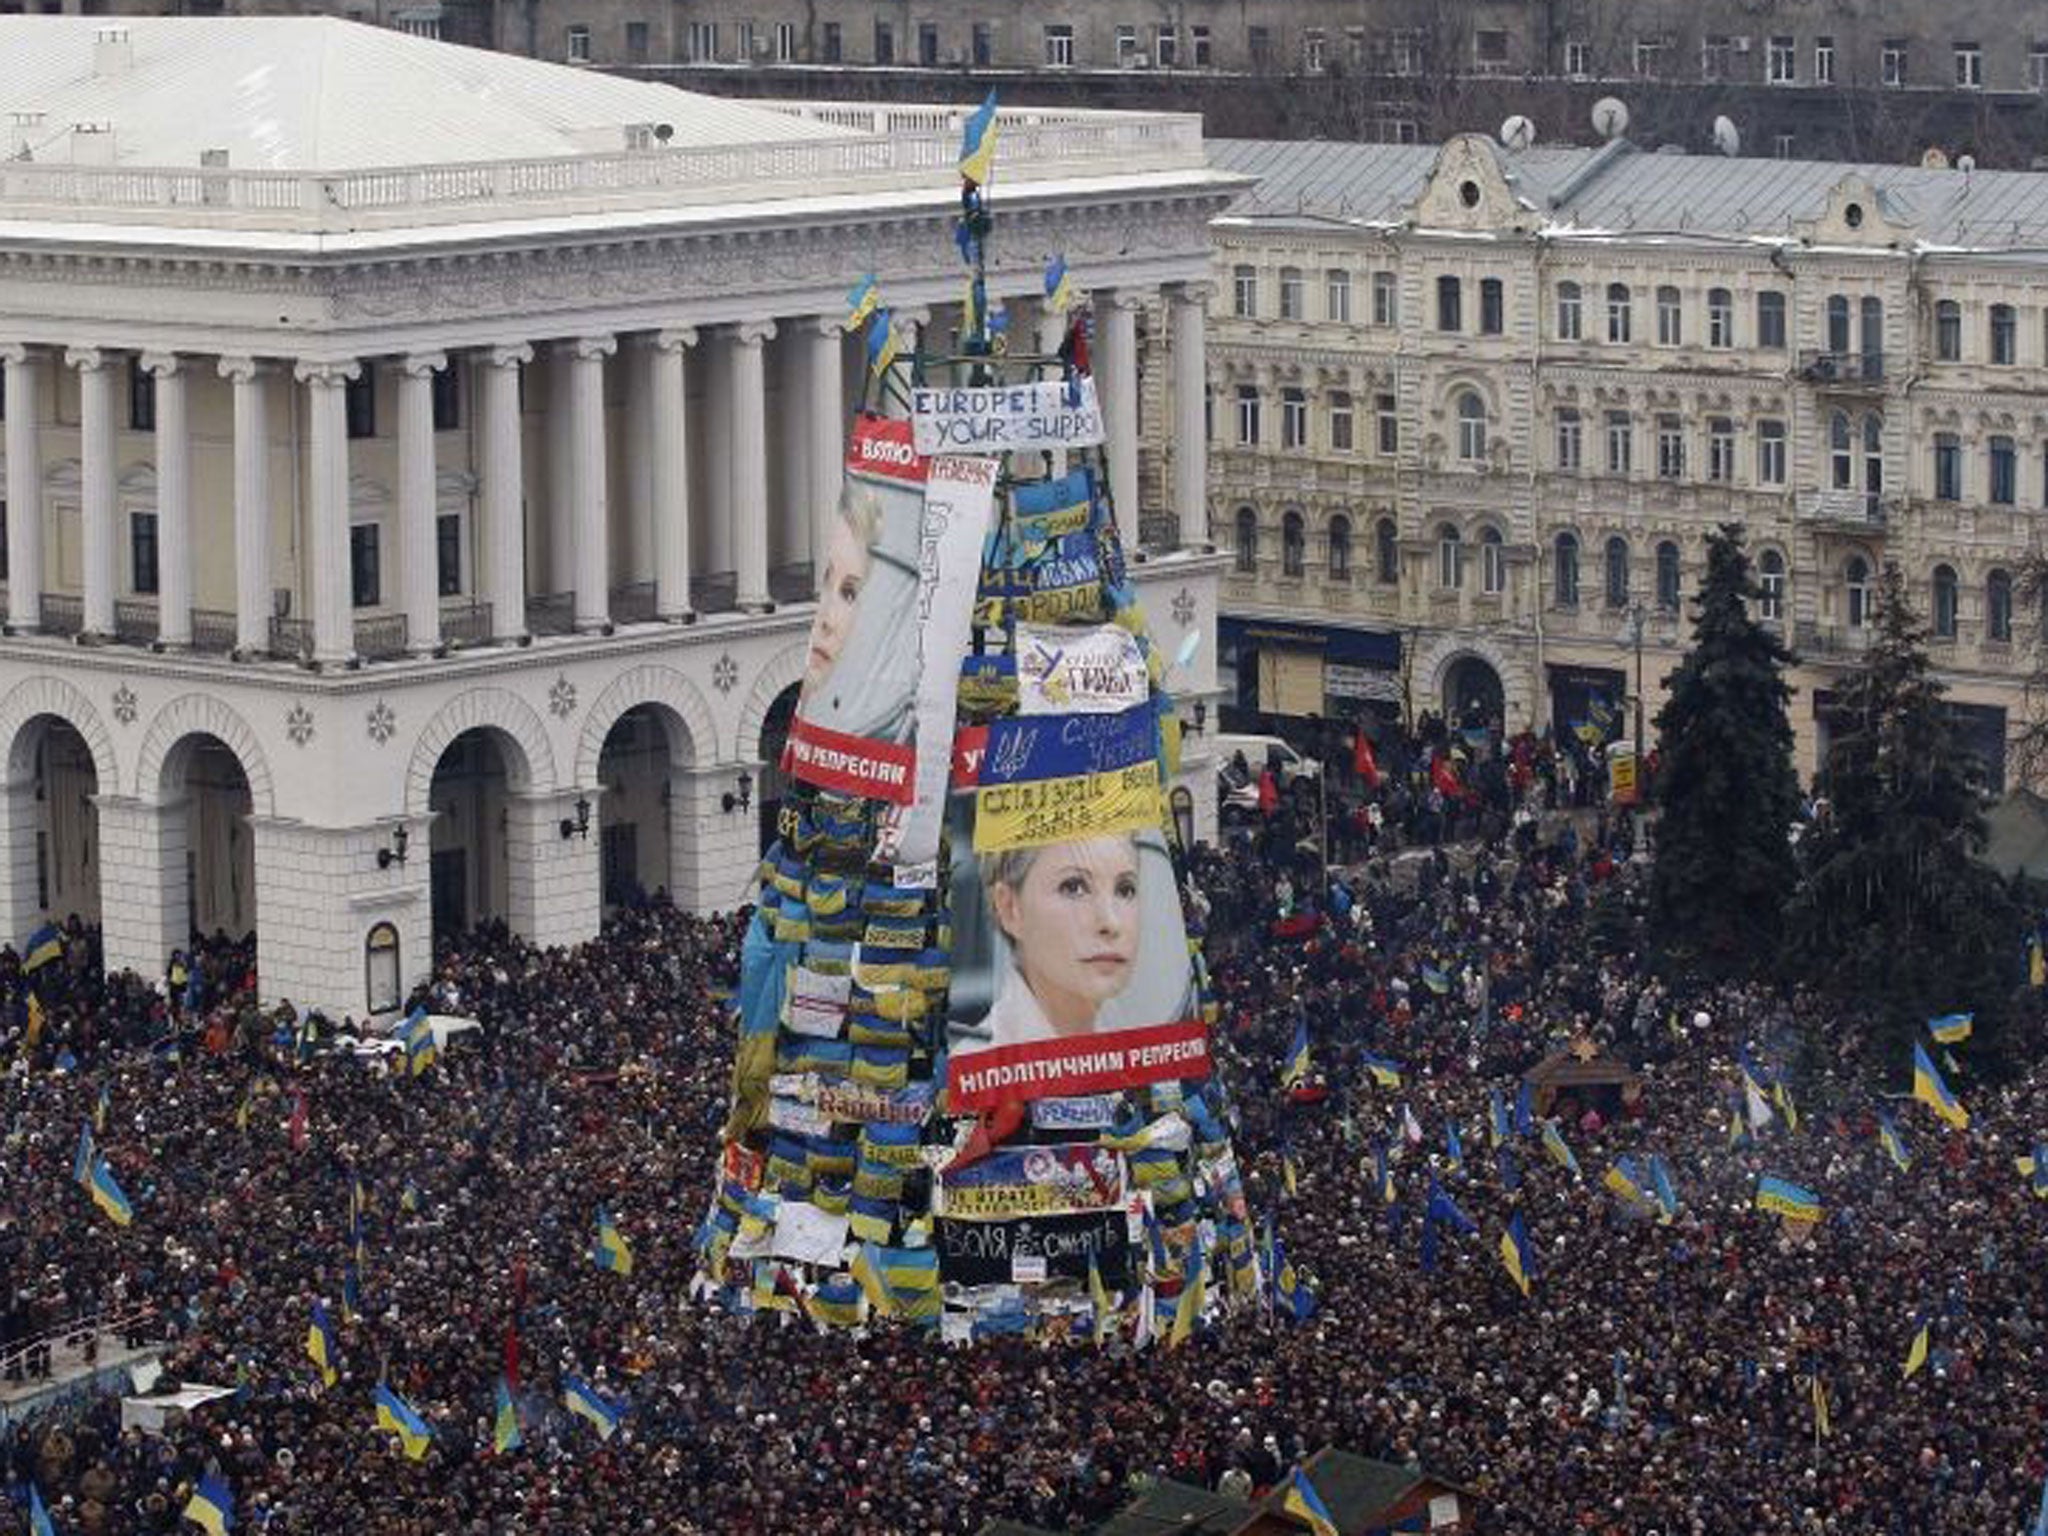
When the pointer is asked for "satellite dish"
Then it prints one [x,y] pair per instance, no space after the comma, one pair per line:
[1727,137]
[1966,163]
[1610,117]
[1517,133]
[1935,159]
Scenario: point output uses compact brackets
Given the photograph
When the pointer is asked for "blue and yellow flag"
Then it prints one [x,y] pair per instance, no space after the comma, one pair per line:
[1382,1174]
[584,1400]
[1560,1153]
[1781,1095]
[396,1415]
[1098,1298]
[1516,1254]
[837,1304]
[1667,1192]
[106,1194]
[1384,1072]
[1435,979]
[1952,1028]
[35,1021]
[1626,1180]
[39,1521]
[1786,1199]
[212,1507]
[2033,1168]
[1194,1295]
[861,300]
[882,343]
[505,1435]
[978,143]
[608,1247]
[2037,976]
[1930,1090]
[320,1344]
[1303,1502]
[1454,1145]
[1059,287]
[1525,1112]
[43,946]
[1497,1118]
[83,1159]
[1893,1143]
[1297,1068]
[1916,1352]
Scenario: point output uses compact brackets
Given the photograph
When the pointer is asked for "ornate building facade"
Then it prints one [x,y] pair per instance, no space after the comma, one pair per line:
[413,460]
[1472,412]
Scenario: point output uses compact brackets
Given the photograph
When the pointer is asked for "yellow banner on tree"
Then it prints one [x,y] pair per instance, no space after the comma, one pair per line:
[1036,812]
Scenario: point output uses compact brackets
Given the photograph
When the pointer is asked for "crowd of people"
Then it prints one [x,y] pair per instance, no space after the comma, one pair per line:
[1659,1377]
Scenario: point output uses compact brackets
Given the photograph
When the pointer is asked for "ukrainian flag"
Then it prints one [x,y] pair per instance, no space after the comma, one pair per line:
[1554,1144]
[1384,1072]
[1667,1193]
[106,1194]
[1059,288]
[320,1344]
[1382,1175]
[1454,1145]
[882,343]
[1625,1180]
[867,1274]
[1516,1255]
[1952,1028]
[1098,1298]
[505,1435]
[2033,1168]
[836,1304]
[861,300]
[1787,1199]
[1916,1352]
[395,1414]
[212,1507]
[1497,1115]
[1305,1503]
[1435,979]
[583,1400]
[1930,1090]
[978,143]
[43,946]
[912,1276]
[1894,1144]
[35,1020]
[1194,1294]
[609,1249]
[1297,1068]
[39,1522]
[82,1160]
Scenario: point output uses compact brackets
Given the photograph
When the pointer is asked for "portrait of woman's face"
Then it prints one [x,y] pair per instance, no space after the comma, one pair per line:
[1073,924]
[847,561]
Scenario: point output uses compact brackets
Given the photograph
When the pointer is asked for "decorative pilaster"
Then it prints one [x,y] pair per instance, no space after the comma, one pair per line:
[96,476]
[749,452]
[24,486]
[1116,375]
[669,473]
[416,508]
[1189,303]
[501,497]
[825,434]
[173,503]
[252,505]
[327,550]
[590,554]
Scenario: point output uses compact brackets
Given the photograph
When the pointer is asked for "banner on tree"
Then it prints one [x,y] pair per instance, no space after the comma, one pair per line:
[1001,418]
[1034,1181]
[1034,1248]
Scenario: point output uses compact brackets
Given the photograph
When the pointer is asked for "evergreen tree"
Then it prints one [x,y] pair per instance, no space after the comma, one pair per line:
[1724,779]
[1897,915]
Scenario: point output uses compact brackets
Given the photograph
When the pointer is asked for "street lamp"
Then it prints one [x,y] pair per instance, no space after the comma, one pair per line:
[1638,615]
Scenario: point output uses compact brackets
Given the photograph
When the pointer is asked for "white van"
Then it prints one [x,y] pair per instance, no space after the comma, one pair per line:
[1259,750]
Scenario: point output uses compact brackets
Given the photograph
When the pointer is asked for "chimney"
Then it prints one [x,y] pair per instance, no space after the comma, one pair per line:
[113,52]
[27,127]
[92,143]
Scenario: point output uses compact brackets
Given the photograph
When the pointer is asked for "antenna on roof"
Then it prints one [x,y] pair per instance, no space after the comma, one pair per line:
[1727,138]
[1610,118]
[1517,133]
[1966,163]
[1934,158]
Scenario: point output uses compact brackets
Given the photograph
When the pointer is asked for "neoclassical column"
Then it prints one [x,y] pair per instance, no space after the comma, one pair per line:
[252,504]
[825,432]
[749,453]
[590,557]
[669,472]
[24,486]
[327,551]
[96,477]
[1189,303]
[910,323]
[501,494]
[1116,376]
[416,507]
[173,503]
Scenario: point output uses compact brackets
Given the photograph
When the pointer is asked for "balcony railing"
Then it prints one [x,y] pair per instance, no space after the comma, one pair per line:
[551,613]
[466,623]
[135,621]
[213,632]
[1852,369]
[381,637]
[1859,512]
[292,639]
[633,603]
[63,614]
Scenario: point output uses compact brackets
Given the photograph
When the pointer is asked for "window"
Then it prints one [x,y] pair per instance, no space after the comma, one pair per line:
[1856,589]
[1492,307]
[1247,541]
[1564,585]
[1341,436]
[142,551]
[1841,452]
[1315,50]
[1670,318]
[1450,304]
[1871,335]
[1714,55]
[785,42]
[1244,289]
[1838,324]
[1620,442]
[1944,602]
[1570,311]
[1720,449]
[831,44]
[982,44]
[1720,318]
[1248,415]
[2005,472]
[448,554]
[1770,320]
[2005,335]
[447,392]
[1667,576]
[1293,546]
[1337,295]
[1571,441]
[928,44]
[1290,293]
[1969,67]
[1998,607]
[1873,459]
[1490,48]
[1293,418]
[636,42]
[1450,558]
[1670,448]
[1387,424]
[1258,45]
[1649,57]
[1948,331]
[1404,54]
[1618,313]
[1770,452]
[1059,45]
[365,582]
[1891,68]
[1771,578]
[1166,46]
[141,397]
[2037,67]
[576,45]
[1386,551]
[1339,564]
[1198,37]
[885,43]
[1783,62]
[1782,146]
[1386,299]
[1948,467]
[359,402]
[1355,50]
[381,986]
[1617,572]
[1471,427]
[743,41]
[1823,61]
[1493,562]
[1578,58]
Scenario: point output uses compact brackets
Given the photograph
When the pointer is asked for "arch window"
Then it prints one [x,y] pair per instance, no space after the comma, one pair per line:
[1565,575]
[1290,293]
[1838,324]
[1620,313]
[1720,318]
[1771,579]
[1450,557]
[2005,335]
[1670,317]
[1944,602]
[1293,545]
[1386,551]
[1948,331]
[1998,607]
[1570,312]
[1856,589]
[1617,572]
[1493,562]
[1667,576]
[1340,549]
[1450,304]
[1247,540]
[1471,427]
[382,987]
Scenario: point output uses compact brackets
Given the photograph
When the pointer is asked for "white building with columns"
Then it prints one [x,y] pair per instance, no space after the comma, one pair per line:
[414,458]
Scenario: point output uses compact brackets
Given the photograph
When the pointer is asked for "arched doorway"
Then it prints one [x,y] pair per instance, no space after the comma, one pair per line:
[635,816]
[467,842]
[205,787]
[52,759]
[1473,697]
[774,783]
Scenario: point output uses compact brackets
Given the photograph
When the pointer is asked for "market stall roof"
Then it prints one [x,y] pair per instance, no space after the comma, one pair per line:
[1578,1066]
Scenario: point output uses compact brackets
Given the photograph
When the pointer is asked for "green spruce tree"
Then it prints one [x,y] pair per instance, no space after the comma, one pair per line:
[1724,866]
[1896,915]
